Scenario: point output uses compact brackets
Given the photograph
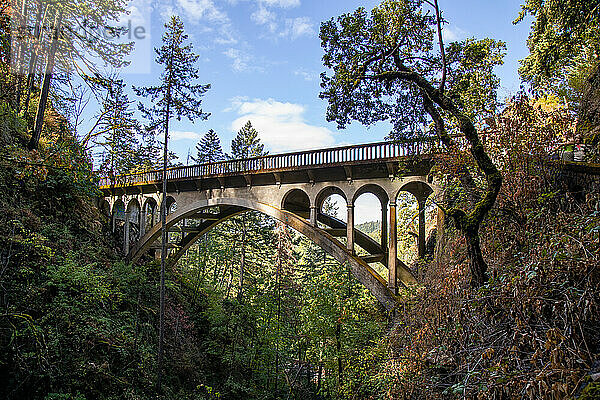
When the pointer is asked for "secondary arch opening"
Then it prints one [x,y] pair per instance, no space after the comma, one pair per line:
[298,202]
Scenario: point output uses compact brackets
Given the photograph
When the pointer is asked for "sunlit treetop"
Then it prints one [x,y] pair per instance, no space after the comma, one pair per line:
[366,51]
[561,33]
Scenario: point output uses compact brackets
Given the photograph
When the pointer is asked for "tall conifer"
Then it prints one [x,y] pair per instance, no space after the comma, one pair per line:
[118,133]
[176,96]
[247,143]
[208,149]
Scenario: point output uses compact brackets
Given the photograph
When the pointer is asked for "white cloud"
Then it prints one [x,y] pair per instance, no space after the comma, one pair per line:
[226,36]
[205,14]
[306,75]
[281,3]
[272,108]
[263,16]
[242,61]
[296,27]
[288,27]
[453,33]
[167,11]
[202,9]
[183,135]
[281,126]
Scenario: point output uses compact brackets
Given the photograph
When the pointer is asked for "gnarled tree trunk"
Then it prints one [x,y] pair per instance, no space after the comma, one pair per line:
[477,265]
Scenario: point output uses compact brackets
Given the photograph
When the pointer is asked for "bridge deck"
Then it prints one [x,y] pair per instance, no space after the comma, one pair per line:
[304,166]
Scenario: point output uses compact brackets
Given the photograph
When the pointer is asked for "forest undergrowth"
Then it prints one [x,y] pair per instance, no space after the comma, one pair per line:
[533,330]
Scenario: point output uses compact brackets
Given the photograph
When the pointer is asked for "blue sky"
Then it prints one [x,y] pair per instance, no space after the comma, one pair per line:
[263,60]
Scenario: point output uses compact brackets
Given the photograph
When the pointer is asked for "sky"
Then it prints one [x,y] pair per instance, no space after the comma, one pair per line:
[263,61]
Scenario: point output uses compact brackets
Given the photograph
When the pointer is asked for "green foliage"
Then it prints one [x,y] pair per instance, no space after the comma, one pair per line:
[384,68]
[351,42]
[471,79]
[118,135]
[69,320]
[177,95]
[209,150]
[371,57]
[299,307]
[13,127]
[564,35]
[247,143]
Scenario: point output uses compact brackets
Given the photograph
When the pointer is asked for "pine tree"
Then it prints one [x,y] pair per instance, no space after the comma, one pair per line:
[118,132]
[177,96]
[208,149]
[247,143]
[150,152]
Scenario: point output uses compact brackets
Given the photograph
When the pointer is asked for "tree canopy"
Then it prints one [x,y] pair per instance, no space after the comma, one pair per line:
[372,57]
[564,33]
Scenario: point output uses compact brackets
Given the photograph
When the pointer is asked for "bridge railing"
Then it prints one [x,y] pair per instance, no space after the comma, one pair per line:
[322,157]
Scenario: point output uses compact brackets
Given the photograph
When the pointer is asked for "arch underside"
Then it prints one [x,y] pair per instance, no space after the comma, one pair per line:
[228,207]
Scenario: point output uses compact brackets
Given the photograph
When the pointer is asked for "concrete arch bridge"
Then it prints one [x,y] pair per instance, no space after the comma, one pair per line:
[289,187]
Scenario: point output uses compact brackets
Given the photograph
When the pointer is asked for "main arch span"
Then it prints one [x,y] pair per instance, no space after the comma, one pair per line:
[290,188]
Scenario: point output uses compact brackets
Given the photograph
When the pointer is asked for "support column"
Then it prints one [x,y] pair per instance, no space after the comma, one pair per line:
[422,238]
[350,229]
[154,215]
[392,249]
[384,228]
[313,216]
[126,234]
[183,225]
[142,224]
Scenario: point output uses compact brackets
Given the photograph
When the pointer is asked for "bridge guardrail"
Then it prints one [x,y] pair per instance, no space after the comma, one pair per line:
[322,157]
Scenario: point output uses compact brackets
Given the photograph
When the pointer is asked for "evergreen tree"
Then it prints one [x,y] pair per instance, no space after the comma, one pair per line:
[177,96]
[149,152]
[208,149]
[118,132]
[247,143]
